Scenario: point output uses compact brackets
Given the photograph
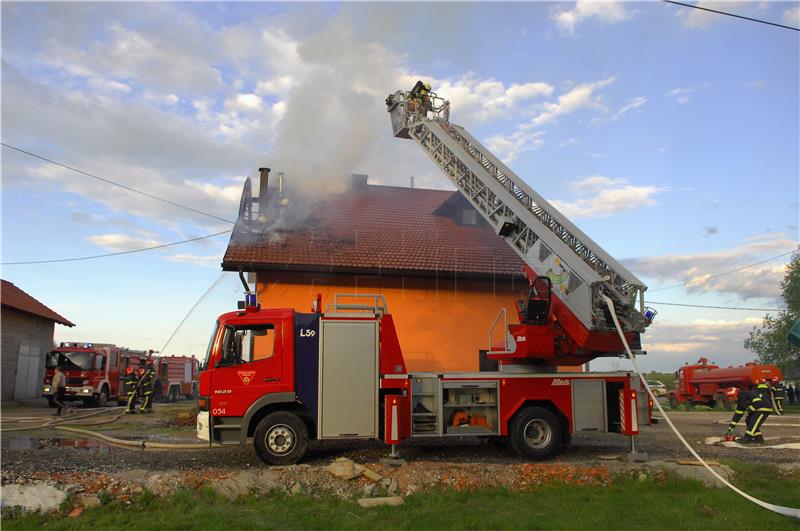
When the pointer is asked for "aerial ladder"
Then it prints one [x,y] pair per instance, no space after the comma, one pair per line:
[572,327]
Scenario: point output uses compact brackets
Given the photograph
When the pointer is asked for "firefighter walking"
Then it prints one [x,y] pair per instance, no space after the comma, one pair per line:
[146,384]
[131,386]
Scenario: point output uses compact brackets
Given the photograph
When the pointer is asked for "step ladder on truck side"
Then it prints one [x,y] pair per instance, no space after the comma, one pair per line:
[578,271]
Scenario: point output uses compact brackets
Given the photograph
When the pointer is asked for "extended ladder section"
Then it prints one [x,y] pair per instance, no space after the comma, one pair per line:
[547,241]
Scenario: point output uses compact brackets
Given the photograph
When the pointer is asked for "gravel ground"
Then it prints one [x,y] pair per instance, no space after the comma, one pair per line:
[27,456]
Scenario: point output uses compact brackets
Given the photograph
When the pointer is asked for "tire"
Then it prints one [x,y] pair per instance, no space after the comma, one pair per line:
[673,402]
[281,438]
[100,399]
[535,433]
[174,392]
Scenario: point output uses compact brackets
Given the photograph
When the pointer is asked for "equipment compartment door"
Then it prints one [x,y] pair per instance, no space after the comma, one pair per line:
[348,379]
[588,405]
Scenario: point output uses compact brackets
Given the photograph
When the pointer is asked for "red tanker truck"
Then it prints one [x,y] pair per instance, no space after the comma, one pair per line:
[705,383]
[175,376]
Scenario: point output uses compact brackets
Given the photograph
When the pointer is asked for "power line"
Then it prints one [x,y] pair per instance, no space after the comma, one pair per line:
[725,273]
[693,6]
[715,307]
[134,190]
[163,245]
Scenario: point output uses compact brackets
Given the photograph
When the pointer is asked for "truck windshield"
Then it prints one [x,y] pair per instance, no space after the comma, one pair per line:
[71,360]
[204,366]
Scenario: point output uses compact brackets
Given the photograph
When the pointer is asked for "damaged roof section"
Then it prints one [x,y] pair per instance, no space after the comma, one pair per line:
[372,229]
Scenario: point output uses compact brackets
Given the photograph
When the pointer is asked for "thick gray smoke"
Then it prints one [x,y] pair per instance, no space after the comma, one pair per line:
[336,114]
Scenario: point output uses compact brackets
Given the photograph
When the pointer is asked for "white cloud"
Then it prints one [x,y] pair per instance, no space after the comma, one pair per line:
[605,12]
[791,17]
[699,271]
[484,99]
[577,98]
[122,242]
[633,103]
[244,103]
[681,95]
[604,196]
[509,148]
[210,261]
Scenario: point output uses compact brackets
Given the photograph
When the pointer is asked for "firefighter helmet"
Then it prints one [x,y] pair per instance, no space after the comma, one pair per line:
[732,393]
[427,86]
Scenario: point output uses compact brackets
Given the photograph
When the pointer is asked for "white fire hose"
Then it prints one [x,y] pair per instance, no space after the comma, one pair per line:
[788,511]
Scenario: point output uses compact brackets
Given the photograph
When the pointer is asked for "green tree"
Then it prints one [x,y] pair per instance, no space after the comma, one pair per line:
[769,340]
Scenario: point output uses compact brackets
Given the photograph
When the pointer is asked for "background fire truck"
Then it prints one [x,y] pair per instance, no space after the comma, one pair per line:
[280,377]
[705,383]
[175,377]
[94,371]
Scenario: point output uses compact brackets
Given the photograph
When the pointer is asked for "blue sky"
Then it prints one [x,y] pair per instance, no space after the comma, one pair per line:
[668,134]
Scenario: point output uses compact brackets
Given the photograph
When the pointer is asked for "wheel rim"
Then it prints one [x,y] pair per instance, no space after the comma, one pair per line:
[280,439]
[538,434]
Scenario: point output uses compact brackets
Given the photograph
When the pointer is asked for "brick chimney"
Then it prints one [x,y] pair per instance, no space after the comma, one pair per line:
[358,181]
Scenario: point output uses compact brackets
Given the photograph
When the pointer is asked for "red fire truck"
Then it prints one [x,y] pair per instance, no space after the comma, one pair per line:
[175,376]
[280,377]
[705,383]
[93,371]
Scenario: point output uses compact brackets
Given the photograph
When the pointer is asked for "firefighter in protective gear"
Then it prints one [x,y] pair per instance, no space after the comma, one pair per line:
[131,386]
[146,383]
[758,410]
[419,100]
[778,394]
[742,399]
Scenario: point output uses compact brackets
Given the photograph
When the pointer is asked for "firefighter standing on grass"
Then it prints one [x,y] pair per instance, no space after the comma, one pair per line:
[146,384]
[131,386]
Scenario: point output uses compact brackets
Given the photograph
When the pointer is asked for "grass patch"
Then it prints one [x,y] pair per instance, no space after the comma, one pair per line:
[666,503]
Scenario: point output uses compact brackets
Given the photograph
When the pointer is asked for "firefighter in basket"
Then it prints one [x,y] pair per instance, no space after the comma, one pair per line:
[419,100]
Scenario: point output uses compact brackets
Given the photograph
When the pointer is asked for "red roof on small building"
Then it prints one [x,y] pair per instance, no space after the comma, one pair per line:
[379,229]
[13,297]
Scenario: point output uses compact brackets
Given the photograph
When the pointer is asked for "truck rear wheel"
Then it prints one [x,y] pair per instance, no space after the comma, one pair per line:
[673,402]
[281,438]
[535,433]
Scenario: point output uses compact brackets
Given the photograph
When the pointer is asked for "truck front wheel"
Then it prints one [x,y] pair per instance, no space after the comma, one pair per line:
[281,438]
[535,433]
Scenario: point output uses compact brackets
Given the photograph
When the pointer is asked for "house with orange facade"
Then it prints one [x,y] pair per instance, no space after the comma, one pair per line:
[443,271]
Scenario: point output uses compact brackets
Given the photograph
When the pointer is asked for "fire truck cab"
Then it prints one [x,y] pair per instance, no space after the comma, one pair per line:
[93,371]
[281,378]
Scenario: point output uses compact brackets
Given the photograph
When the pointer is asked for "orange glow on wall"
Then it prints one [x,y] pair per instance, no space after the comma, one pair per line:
[441,322]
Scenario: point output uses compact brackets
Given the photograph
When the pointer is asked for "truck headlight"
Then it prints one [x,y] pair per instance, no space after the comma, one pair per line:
[86,390]
[47,389]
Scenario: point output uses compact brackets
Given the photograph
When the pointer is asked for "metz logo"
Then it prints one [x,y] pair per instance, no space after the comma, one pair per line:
[246,376]
[559,381]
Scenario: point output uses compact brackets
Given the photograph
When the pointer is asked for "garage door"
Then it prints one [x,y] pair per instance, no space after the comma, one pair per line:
[28,377]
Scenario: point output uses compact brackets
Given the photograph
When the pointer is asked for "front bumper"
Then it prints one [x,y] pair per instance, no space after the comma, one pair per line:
[71,393]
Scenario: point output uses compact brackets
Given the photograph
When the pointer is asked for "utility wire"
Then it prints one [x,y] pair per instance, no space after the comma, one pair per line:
[163,245]
[693,6]
[725,273]
[134,190]
[716,307]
